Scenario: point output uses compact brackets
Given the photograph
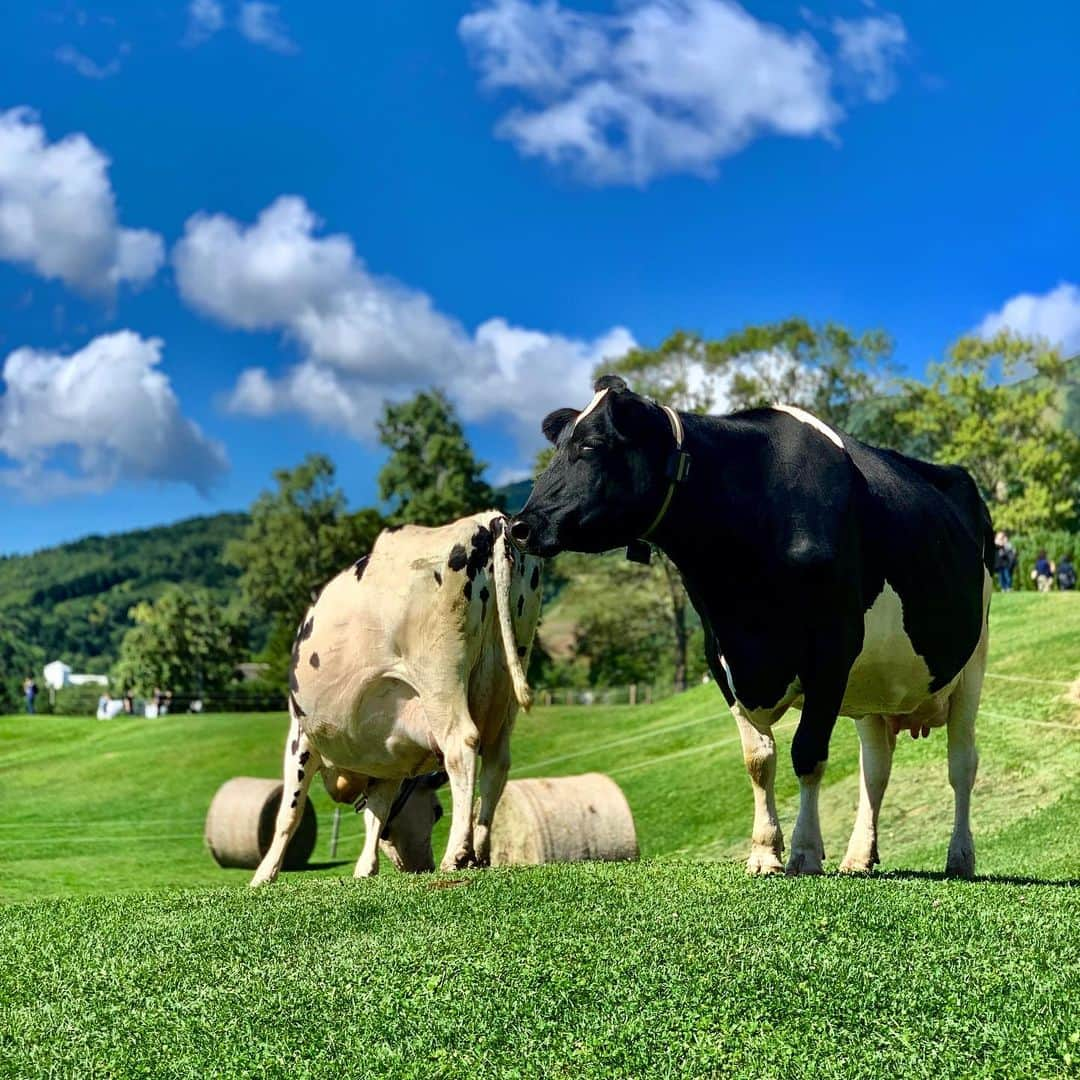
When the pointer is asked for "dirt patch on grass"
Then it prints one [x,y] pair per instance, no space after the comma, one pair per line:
[1072,695]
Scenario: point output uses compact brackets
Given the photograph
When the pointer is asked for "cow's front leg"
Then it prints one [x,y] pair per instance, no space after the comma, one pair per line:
[301,763]
[380,797]
[876,743]
[459,755]
[759,754]
[494,769]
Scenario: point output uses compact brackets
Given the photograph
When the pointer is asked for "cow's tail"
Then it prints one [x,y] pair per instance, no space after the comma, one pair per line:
[504,567]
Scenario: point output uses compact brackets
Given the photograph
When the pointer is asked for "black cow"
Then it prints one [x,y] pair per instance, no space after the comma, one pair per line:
[827,573]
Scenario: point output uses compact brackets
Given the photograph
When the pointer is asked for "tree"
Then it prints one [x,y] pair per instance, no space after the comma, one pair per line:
[827,369]
[183,641]
[432,475]
[632,640]
[299,536]
[1008,433]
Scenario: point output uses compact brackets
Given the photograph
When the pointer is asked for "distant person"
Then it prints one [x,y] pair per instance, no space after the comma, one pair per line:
[1004,561]
[30,691]
[129,700]
[1066,572]
[1043,572]
[109,707]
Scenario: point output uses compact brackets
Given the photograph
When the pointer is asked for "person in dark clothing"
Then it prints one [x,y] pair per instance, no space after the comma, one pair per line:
[1004,561]
[1043,572]
[30,690]
[1066,572]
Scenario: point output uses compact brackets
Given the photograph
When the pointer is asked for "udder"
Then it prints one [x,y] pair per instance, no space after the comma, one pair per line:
[931,714]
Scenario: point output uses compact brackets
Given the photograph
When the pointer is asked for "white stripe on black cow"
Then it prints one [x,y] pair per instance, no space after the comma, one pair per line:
[828,574]
[412,661]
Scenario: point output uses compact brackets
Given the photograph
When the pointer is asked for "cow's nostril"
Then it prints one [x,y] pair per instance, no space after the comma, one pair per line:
[519,532]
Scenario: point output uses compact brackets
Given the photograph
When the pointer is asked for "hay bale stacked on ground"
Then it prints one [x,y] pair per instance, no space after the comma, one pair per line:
[240,824]
[563,819]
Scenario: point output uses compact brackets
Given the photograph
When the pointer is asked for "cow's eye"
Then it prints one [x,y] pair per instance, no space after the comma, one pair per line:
[589,447]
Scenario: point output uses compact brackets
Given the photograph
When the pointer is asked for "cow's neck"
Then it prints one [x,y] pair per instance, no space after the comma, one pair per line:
[706,530]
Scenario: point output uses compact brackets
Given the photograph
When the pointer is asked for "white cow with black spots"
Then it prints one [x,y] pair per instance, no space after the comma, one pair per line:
[412,661]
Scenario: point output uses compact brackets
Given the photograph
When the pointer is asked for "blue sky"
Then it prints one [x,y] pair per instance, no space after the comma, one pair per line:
[230,230]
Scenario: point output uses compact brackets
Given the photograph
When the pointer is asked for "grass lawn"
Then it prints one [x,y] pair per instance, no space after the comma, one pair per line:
[678,966]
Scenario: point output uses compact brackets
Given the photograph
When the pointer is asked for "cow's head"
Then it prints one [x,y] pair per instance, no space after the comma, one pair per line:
[606,479]
[408,837]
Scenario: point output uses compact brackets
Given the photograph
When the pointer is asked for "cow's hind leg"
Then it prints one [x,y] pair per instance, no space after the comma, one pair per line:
[380,797]
[494,768]
[459,756]
[301,764]
[759,754]
[809,754]
[964,761]
[876,743]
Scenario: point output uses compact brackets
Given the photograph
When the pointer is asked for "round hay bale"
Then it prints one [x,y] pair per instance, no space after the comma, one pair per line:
[563,819]
[240,824]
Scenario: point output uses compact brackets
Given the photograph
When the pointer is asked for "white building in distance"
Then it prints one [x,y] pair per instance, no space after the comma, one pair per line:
[58,675]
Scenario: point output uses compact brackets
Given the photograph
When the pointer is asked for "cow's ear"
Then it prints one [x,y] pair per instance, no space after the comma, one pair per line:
[630,415]
[554,422]
[609,382]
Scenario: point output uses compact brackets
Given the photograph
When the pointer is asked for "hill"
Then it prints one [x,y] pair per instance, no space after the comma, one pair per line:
[667,967]
[71,601]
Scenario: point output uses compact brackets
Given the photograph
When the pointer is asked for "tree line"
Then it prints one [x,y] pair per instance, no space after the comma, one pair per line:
[1004,407]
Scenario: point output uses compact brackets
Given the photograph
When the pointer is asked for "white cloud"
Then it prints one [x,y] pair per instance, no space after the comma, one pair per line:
[87,67]
[524,374]
[1054,315]
[103,415]
[58,211]
[262,24]
[205,18]
[366,339]
[869,49]
[665,86]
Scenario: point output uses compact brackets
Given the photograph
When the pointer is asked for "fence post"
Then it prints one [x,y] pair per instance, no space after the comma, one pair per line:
[633,693]
[334,829]
[648,695]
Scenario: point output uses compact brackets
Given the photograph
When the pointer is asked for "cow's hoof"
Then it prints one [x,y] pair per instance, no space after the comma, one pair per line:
[960,863]
[852,865]
[463,860]
[763,861]
[804,864]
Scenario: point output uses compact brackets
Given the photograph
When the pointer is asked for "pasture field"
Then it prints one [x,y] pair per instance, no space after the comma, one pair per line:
[125,951]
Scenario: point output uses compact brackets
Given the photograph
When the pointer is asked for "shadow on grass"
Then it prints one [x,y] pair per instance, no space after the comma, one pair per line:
[979,879]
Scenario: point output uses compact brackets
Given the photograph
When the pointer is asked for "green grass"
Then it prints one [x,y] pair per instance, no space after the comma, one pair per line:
[677,966]
[659,970]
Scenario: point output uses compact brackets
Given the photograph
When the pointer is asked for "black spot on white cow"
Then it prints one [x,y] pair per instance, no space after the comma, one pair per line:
[828,573]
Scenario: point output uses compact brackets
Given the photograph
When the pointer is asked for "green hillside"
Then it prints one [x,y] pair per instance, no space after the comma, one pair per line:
[90,806]
[677,966]
[71,602]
